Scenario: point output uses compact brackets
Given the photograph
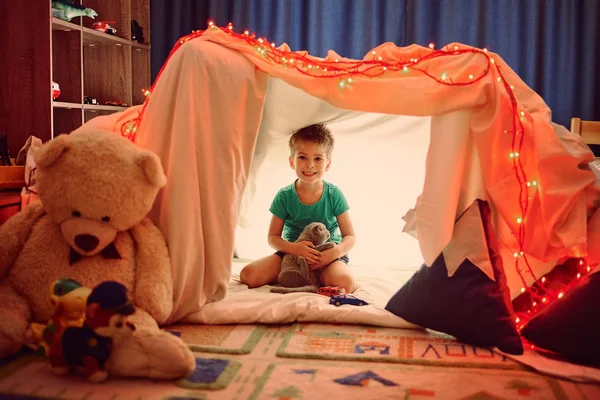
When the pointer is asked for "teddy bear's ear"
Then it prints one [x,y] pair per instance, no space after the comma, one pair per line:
[51,151]
[150,164]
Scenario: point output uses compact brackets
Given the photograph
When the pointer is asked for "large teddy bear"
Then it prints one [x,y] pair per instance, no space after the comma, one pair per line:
[95,190]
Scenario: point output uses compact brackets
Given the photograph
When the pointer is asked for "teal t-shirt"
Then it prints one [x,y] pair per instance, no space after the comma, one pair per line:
[287,206]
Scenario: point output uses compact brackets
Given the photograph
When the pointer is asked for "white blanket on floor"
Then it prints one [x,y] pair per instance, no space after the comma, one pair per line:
[243,305]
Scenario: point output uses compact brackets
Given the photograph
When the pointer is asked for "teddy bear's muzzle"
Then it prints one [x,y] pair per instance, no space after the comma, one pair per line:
[87,236]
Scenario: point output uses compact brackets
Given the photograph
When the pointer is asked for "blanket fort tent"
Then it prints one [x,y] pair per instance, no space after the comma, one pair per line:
[491,138]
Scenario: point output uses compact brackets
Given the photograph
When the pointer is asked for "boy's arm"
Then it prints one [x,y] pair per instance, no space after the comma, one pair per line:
[274,238]
[347,231]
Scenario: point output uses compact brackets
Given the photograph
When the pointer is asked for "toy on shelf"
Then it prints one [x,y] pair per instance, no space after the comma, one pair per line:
[331,291]
[67,10]
[55,90]
[347,299]
[90,100]
[68,299]
[104,26]
[109,343]
[117,103]
[137,32]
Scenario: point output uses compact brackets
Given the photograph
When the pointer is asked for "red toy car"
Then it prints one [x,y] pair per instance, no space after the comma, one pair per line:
[115,103]
[331,291]
[104,26]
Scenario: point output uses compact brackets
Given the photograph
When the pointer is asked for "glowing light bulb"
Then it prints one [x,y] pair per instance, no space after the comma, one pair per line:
[260,40]
[588,268]
[522,290]
[560,295]
[522,113]
[580,262]
[544,300]
[455,47]
[519,220]
[516,255]
[534,303]
[350,80]
[578,275]
[405,68]
[246,33]
[543,279]
[211,23]
[431,45]
[373,52]
[444,76]
[512,87]
[337,60]
[470,76]
[309,66]
[385,68]
[485,50]
[272,44]
[342,84]
[492,60]
[517,320]
[379,58]
[499,79]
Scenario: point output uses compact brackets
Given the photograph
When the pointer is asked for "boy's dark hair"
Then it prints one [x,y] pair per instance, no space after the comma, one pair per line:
[316,133]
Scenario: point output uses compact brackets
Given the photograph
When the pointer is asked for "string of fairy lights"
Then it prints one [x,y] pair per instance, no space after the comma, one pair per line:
[348,71]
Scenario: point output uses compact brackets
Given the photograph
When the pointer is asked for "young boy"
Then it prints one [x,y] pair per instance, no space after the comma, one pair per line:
[308,199]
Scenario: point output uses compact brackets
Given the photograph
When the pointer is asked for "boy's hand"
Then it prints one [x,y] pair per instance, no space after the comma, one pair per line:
[327,257]
[307,250]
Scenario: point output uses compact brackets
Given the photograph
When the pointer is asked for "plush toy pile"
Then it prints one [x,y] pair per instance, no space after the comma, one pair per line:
[95,190]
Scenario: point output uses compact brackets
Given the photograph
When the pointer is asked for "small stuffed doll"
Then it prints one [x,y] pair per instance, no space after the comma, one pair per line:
[89,346]
[68,298]
[295,275]
[110,344]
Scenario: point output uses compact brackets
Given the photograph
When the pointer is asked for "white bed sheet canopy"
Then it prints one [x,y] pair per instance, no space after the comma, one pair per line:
[224,105]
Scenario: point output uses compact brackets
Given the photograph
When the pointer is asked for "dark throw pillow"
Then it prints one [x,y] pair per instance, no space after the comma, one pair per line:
[468,305]
[571,326]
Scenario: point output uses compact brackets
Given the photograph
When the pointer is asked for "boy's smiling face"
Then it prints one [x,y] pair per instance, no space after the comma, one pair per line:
[310,162]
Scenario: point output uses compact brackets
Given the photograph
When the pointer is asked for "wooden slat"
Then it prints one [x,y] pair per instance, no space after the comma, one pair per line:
[66,120]
[589,130]
[107,73]
[66,59]
[140,74]
[25,102]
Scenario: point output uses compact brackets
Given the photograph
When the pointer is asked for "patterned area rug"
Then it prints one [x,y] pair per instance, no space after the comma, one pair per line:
[310,361]
[228,339]
[408,346]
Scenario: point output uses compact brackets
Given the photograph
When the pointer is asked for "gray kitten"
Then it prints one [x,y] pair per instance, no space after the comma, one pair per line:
[295,275]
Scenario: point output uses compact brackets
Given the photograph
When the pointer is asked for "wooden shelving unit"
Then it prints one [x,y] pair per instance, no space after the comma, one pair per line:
[84,62]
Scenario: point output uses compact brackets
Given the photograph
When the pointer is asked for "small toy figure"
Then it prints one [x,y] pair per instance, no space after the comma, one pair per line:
[90,100]
[104,26]
[347,299]
[55,90]
[88,346]
[137,32]
[68,299]
[66,10]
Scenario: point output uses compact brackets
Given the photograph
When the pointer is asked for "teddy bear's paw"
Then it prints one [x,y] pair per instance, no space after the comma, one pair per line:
[9,344]
[98,377]
[61,370]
